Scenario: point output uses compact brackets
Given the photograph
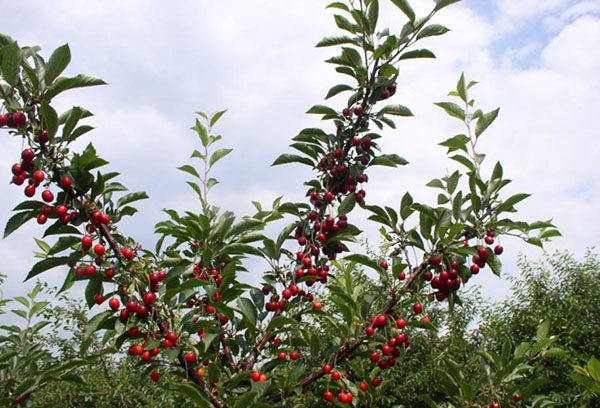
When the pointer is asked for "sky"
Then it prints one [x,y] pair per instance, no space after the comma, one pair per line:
[535,60]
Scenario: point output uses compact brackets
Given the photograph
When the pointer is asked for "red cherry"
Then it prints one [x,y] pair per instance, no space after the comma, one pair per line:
[86,242]
[358,111]
[90,271]
[328,395]
[400,323]
[498,249]
[425,319]
[167,344]
[3,120]
[42,218]
[19,119]
[42,137]
[17,169]
[18,180]
[114,303]
[317,306]
[328,196]
[99,249]
[384,264]
[517,397]
[109,273]
[435,260]
[62,210]
[210,309]
[46,209]
[401,276]
[321,237]
[327,368]
[263,378]
[28,155]
[133,332]
[127,253]
[294,355]
[142,311]
[154,376]
[149,297]
[30,191]
[363,386]
[136,350]
[282,355]
[386,350]
[104,218]
[190,358]
[376,382]
[99,298]
[418,308]
[39,176]
[369,331]
[346,112]
[374,356]
[336,375]
[483,253]
[489,240]
[255,376]
[474,269]
[384,94]
[65,181]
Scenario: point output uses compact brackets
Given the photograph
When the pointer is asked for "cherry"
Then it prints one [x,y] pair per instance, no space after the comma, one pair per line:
[210,309]
[17,169]
[281,356]
[400,323]
[328,196]
[418,308]
[498,249]
[384,264]
[517,397]
[287,293]
[133,332]
[454,265]
[154,376]
[167,344]
[374,357]
[474,269]
[65,181]
[386,350]
[42,137]
[489,240]
[346,112]
[109,273]
[380,320]
[363,386]
[99,249]
[327,368]
[369,331]
[401,276]
[435,260]
[136,350]
[127,253]
[427,275]
[321,237]
[317,306]
[42,218]
[376,382]
[190,358]
[328,395]
[384,94]
[149,297]
[99,298]
[19,180]
[86,242]
[28,155]
[336,375]
[114,303]
[30,191]
[90,270]
[39,176]
[255,376]
[46,209]
[62,210]
[425,319]
[3,120]
[19,119]
[358,111]
[392,88]
[223,319]
[263,378]
[294,355]
[483,253]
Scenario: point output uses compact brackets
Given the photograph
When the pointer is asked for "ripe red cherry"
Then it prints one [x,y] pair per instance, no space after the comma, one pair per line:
[294,355]
[384,264]
[19,180]
[90,271]
[474,269]
[282,355]
[498,249]
[127,253]
[336,375]
[133,331]
[3,120]
[317,306]
[384,94]
[61,210]
[109,273]
[401,276]
[287,293]
[255,376]
[99,249]
[99,298]
[167,344]
[376,381]
[327,368]
[136,350]
[114,303]
[436,260]
[517,397]
[154,376]
[17,169]
[369,331]
[210,309]
[190,358]
[39,176]
[28,155]
[321,237]
[328,196]
[149,297]
[30,191]
[172,336]
[483,253]
[418,308]
[363,386]
[86,242]
[374,356]
[346,112]
[146,356]
[400,323]
[41,219]
[65,181]
[142,311]
[386,350]
[328,395]
[223,319]
[358,111]
[42,137]
[131,306]
[489,240]
[19,119]
[380,320]
[425,319]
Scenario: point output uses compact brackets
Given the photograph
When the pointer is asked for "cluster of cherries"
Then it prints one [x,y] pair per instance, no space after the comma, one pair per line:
[15,120]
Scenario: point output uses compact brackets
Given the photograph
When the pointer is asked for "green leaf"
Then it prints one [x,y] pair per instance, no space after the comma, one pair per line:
[397,110]
[57,63]
[458,142]
[248,310]
[71,121]
[343,23]
[189,169]
[405,206]
[322,110]
[432,30]
[214,118]
[292,158]
[444,3]
[192,392]
[46,264]
[11,60]
[417,54]
[508,204]
[131,197]
[245,400]
[335,40]
[347,204]
[17,220]
[338,5]
[390,160]
[461,89]
[542,330]
[485,121]
[218,155]
[63,243]
[337,89]
[406,8]
[452,109]
[364,260]
[63,84]
[373,15]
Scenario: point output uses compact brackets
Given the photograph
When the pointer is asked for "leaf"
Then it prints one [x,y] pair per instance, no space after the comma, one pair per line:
[248,310]
[347,204]
[461,89]
[509,203]
[192,392]
[11,60]
[337,89]
[390,160]
[335,40]
[218,155]
[417,54]
[432,30]
[338,5]
[189,169]
[373,15]
[542,330]
[214,118]
[364,260]
[292,158]
[245,400]
[397,110]
[444,3]
[63,84]
[17,220]
[322,110]
[57,63]
[131,197]
[458,142]
[406,8]
[46,264]
[485,121]
[452,109]
[464,161]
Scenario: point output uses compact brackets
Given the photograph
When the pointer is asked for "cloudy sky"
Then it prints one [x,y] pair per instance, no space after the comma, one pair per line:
[534,59]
